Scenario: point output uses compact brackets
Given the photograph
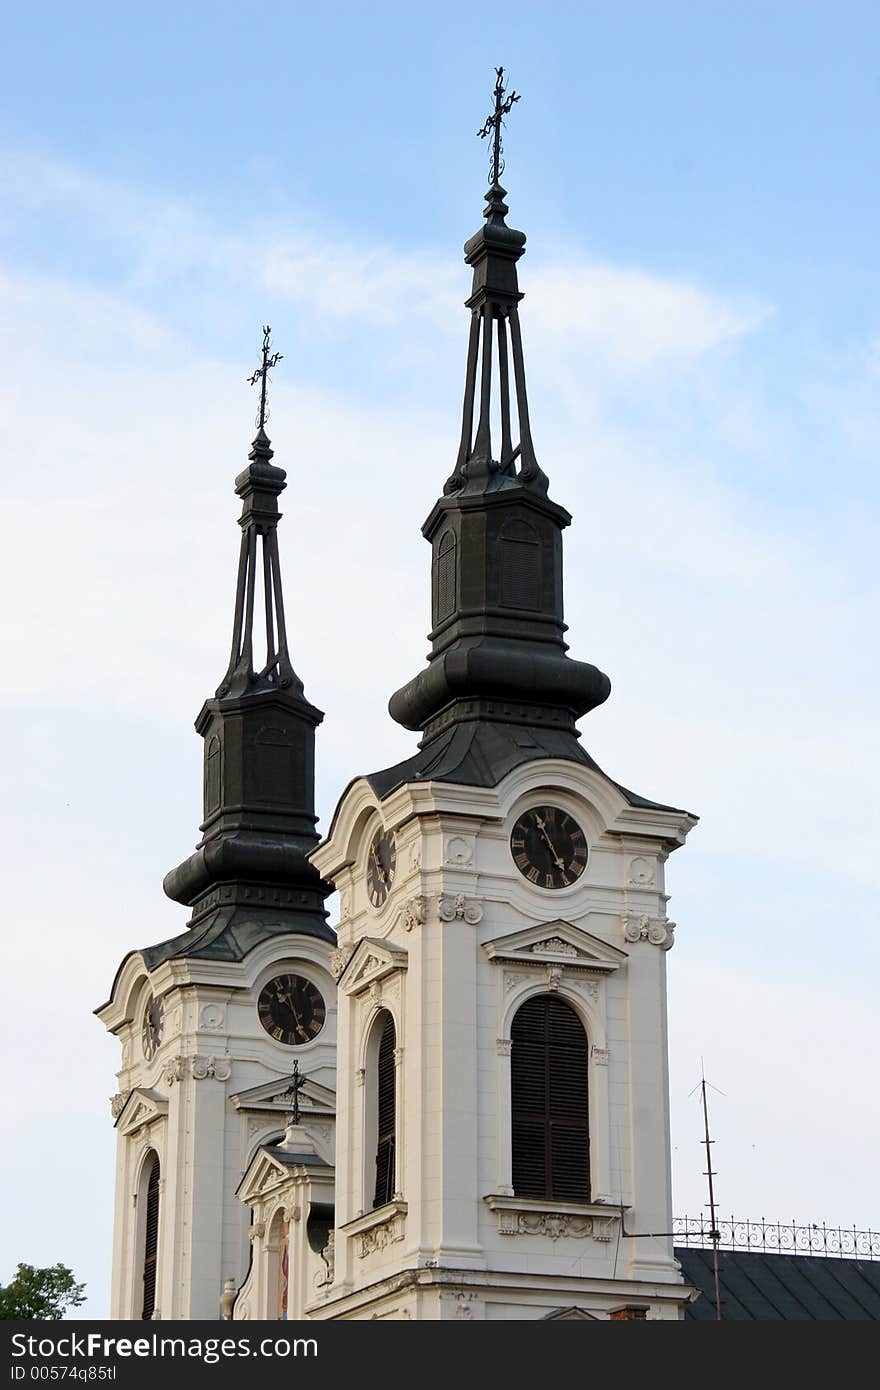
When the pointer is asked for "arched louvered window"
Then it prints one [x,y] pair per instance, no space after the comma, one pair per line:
[549,1109]
[151,1237]
[444,583]
[386,1105]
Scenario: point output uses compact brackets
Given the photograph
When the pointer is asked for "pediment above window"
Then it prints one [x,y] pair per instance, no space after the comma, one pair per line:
[556,942]
[370,962]
[141,1107]
[570,1314]
[273,1096]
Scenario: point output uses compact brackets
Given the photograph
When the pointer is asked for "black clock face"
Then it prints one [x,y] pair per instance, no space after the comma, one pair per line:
[548,847]
[151,1030]
[381,863]
[291,1009]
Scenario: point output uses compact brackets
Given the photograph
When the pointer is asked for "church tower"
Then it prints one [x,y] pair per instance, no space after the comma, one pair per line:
[226,1026]
[502,1094]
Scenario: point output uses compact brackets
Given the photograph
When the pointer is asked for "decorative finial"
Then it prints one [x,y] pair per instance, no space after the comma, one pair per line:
[262,375]
[296,1084]
[494,123]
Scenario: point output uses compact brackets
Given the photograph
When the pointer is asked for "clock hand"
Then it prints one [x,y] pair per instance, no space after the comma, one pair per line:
[376,860]
[557,860]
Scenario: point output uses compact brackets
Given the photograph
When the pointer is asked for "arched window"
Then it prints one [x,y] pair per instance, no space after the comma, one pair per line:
[444,581]
[549,1109]
[386,1108]
[151,1236]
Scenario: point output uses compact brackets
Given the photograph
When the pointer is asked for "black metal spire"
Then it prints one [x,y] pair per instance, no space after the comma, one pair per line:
[493,252]
[251,871]
[497,657]
[259,487]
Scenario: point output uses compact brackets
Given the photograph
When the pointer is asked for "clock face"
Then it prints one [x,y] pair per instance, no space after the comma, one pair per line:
[151,1029]
[381,863]
[291,1010]
[548,847]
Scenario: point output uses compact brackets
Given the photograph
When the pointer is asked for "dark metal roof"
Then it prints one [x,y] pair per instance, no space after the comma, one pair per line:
[294,1160]
[231,933]
[787,1288]
[481,753]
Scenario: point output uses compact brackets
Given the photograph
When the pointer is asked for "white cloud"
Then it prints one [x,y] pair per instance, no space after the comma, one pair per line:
[635,318]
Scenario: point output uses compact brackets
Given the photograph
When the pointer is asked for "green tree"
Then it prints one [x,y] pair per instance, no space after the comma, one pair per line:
[40,1293]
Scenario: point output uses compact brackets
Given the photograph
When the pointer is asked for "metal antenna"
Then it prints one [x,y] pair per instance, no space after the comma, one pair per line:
[494,123]
[714,1233]
[262,375]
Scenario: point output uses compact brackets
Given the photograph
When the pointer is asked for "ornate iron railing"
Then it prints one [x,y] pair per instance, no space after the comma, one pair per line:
[777,1237]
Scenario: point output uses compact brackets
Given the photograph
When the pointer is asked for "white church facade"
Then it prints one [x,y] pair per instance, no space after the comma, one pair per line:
[455,1103]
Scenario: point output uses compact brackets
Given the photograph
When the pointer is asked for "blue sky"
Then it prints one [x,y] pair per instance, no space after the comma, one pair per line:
[699,185]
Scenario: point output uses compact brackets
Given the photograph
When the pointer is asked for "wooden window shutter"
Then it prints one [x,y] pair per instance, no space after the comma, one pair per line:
[386,1101]
[549,1103]
[151,1239]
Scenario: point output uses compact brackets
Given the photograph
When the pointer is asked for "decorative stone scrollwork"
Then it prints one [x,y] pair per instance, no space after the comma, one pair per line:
[414,912]
[116,1104]
[658,930]
[553,974]
[220,1068]
[378,1237]
[200,1068]
[212,1016]
[600,1056]
[339,959]
[469,909]
[503,1046]
[553,946]
[554,1224]
[257,1230]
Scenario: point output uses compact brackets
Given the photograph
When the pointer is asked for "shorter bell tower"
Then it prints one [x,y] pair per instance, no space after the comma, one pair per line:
[214,1022]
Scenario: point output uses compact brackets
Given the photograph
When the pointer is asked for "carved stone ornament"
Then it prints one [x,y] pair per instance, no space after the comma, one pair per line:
[641,871]
[464,1304]
[220,1068]
[200,1068]
[174,1070]
[459,851]
[339,959]
[554,1224]
[468,909]
[554,946]
[378,1237]
[600,1056]
[116,1104]
[415,912]
[658,930]
[257,1230]
[344,906]
[212,1016]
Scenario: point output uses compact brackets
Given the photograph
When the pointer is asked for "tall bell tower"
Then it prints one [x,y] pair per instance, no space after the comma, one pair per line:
[503,1120]
[214,1022]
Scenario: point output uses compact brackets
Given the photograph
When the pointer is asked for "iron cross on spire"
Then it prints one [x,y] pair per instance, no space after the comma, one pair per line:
[494,123]
[261,375]
[296,1084]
